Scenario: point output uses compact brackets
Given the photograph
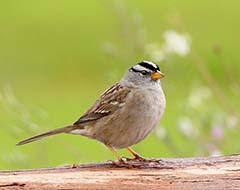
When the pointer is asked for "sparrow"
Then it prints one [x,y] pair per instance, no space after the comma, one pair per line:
[124,114]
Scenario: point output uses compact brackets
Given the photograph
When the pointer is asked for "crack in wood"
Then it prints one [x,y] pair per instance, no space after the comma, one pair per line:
[13,184]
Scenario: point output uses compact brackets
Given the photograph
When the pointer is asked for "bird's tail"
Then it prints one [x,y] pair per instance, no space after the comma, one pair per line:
[49,133]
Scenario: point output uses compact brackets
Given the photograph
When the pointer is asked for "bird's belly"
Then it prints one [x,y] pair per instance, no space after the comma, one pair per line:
[127,135]
[125,130]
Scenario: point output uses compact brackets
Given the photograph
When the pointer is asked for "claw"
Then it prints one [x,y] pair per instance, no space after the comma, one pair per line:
[141,159]
[122,163]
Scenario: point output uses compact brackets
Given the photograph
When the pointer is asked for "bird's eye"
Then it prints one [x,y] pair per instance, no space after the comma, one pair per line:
[144,72]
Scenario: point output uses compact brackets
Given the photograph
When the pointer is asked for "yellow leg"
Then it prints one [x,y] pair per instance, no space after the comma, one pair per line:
[114,152]
[135,154]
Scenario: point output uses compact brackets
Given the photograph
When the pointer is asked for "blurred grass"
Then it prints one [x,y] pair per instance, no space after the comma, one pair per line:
[55,60]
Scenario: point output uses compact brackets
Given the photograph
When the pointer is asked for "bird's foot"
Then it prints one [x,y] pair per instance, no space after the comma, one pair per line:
[141,159]
[123,163]
[136,158]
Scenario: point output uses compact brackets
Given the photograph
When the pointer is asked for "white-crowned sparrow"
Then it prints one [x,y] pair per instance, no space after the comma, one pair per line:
[125,114]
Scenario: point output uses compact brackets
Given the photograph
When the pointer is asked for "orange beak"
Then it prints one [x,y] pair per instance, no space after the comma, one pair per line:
[157,75]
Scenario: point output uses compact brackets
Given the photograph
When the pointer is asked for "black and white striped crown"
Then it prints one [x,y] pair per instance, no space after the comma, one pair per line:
[145,66]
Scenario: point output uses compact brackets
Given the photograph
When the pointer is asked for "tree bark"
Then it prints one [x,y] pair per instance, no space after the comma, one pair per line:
[168,173]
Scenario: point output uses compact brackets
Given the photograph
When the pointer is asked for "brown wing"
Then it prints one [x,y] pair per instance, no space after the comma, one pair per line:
[108,103]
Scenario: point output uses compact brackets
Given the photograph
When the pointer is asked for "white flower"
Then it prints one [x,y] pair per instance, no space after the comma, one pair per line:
[216,153]
[232,121]
[198,96]
[174,43]
[161,132]
[186,127]
[155,52]
[177,43]
[213,150]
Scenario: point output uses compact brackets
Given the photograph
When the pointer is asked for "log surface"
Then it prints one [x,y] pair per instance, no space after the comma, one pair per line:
[169,173]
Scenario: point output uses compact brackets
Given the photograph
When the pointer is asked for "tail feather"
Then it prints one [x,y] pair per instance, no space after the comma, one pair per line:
[49,133]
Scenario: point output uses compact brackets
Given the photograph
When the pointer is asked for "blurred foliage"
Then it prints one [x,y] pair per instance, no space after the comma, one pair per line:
[57,57]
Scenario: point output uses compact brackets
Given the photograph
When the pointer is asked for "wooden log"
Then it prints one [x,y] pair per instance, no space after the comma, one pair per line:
[206,173]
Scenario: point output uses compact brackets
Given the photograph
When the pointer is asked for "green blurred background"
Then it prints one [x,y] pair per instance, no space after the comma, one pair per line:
[57,57]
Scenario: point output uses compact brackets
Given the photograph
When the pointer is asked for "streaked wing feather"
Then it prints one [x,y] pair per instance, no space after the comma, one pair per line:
[110,101]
